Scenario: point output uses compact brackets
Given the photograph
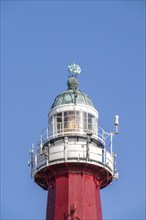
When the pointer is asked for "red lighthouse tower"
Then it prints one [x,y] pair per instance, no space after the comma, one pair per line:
[74,158]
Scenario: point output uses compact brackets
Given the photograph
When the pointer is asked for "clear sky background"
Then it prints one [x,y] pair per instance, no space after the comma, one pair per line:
[39,39]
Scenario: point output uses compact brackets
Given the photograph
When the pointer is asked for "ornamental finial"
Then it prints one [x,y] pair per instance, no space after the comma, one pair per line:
[74,70]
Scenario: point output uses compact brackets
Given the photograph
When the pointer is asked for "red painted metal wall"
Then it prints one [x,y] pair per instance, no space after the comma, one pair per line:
[74,196]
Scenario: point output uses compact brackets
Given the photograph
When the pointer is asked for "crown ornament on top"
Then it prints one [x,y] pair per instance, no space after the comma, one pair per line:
[74,70]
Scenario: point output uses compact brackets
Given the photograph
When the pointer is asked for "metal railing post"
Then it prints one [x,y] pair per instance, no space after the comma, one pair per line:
[47,133]
[111,142]
[41,144]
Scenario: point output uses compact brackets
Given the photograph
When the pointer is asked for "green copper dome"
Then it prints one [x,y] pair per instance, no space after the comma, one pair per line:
[72,95]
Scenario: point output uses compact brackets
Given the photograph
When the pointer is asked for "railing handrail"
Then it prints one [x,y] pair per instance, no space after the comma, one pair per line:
[100,134]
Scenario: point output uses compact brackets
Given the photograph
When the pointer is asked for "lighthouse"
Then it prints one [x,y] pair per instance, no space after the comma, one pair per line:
[74,157]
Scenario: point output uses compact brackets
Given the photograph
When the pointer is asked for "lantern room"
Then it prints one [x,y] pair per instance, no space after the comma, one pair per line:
[72,113]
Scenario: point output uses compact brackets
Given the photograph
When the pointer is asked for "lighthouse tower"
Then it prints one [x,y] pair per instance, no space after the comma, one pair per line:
[74,158]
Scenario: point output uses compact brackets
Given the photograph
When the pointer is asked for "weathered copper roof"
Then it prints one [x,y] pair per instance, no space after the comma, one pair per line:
[72,95]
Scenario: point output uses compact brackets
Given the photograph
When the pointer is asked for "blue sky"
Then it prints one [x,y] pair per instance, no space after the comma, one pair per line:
[39,39]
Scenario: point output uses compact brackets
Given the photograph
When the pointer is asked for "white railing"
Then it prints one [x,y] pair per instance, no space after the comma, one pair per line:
[103,137]
[46,134]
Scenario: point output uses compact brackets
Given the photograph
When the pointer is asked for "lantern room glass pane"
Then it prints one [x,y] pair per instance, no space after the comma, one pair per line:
[92,124]
[77,121]
[59,123]
[84,121]
[50,127]
[69,121]
[90,127]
